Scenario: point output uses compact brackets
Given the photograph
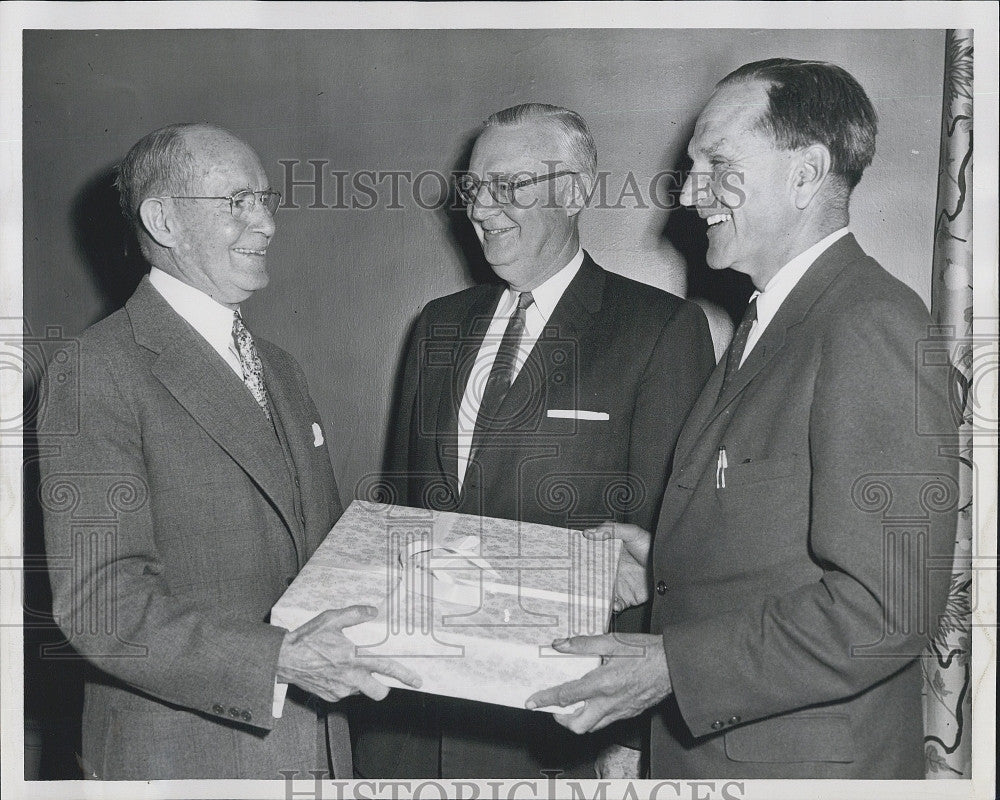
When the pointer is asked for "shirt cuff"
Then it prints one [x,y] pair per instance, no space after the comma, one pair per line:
[278,703]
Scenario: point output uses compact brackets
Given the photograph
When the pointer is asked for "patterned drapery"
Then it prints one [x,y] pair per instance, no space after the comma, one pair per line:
[947,696]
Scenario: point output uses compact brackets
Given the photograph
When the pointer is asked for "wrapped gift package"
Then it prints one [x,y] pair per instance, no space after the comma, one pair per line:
[472,604]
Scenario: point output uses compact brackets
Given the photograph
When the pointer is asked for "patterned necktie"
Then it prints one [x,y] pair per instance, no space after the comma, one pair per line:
[253,374]
[739,344]
[501,376]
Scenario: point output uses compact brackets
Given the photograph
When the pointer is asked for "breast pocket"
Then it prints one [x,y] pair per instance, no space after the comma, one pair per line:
[766,505]
[749,474]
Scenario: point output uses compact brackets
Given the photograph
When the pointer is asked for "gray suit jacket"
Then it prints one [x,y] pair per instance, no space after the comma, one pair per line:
[794,599]
[175,517]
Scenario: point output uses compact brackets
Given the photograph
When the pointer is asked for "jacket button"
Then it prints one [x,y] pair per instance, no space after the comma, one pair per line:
[234,712]
[218,709]
[297,484]
[661,587]
[717,725]
[246,716]
[734,720]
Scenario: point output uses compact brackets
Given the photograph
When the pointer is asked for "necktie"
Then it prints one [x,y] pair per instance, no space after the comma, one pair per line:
[502,373]
[739,344]
[253,374]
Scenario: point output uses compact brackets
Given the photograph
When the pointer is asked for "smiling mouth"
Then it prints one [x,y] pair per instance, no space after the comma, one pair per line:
[247,251]
[717,219]
[488,232]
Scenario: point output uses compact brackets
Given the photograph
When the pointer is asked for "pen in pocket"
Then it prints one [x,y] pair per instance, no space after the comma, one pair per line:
[720,469]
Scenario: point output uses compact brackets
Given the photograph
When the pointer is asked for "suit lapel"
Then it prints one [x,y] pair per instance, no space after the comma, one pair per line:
[792,312]
[572,315]
[288,417]
[211,393]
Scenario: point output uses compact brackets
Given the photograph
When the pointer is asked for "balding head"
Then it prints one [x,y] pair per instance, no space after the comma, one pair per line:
[179,186]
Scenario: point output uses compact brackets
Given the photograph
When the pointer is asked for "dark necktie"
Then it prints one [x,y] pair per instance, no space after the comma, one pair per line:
[253,373]
[739,344]
[502,373]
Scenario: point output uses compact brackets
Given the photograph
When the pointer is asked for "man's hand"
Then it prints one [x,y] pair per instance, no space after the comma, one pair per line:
[318,657]
[632,678]
[632,580]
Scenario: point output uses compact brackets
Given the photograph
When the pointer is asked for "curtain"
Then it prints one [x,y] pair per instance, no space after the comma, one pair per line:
[947,696]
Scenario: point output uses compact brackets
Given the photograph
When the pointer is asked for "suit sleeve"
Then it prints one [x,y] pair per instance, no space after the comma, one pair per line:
[866,616]
[109,598]
[397,460]
[678,367]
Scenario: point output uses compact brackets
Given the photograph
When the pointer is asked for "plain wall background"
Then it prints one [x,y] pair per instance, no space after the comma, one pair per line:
[346,285]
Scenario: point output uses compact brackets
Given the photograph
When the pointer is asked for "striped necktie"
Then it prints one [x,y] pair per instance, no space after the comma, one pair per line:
[501,376]
[739,344]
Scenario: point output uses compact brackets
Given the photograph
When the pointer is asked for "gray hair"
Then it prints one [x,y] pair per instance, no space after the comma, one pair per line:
[160,162]
[581,151]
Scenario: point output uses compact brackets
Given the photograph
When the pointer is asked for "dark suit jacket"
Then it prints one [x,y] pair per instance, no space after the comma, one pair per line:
[793,602]
[611,345]
[174,519]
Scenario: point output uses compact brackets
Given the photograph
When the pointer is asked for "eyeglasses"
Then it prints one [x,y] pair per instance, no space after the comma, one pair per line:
[243,203]
[501,188]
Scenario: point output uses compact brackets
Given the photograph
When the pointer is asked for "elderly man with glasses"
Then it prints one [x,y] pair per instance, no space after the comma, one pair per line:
[555,397]
[201,457]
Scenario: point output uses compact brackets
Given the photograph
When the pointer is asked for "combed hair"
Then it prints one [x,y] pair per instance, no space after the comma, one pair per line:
[159,163]
[581,151]
[812,102]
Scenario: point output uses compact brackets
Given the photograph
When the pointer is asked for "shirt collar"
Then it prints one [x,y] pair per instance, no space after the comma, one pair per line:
[784,280]
[210,318]
[548,294]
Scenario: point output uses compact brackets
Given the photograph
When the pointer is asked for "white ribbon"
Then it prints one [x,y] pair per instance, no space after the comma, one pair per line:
[444,566]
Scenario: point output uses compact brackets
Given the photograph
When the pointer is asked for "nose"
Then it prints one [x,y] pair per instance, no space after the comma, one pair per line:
[483,206]
[262,220]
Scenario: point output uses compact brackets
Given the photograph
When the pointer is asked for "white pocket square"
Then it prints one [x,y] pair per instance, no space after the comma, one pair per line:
[317,435]
[575,413]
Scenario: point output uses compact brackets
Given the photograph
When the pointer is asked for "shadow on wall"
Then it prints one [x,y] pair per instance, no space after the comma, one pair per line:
[466,248]
[462,235]
[53,675]
[686,231]
[106,242]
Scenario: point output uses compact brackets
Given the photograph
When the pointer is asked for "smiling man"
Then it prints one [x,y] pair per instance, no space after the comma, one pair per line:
[789,608]
[554,397]
[197,449]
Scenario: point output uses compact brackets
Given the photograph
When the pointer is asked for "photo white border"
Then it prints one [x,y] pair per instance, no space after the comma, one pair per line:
[980,16]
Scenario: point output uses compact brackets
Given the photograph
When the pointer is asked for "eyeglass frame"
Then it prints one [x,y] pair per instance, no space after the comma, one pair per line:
[256,194]
[512,185]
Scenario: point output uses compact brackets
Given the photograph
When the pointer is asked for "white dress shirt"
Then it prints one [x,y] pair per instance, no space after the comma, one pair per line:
[781,285]
[546,297]
[212,320]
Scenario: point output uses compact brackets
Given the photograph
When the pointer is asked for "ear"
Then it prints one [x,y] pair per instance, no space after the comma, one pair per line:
[577,193]
[811,167]
[157,219]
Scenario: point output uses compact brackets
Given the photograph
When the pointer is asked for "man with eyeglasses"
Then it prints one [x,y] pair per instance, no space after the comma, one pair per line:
[205,443]
[553,398]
